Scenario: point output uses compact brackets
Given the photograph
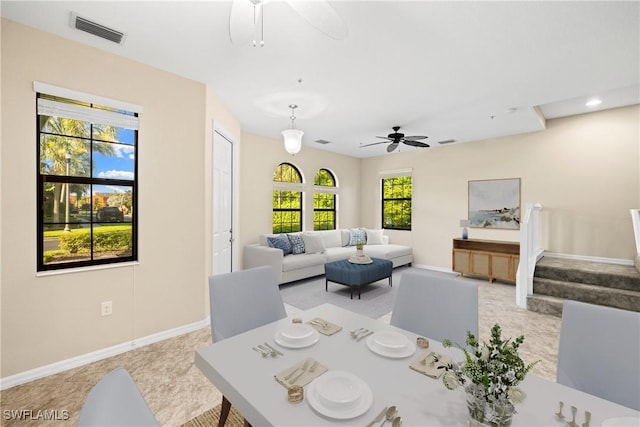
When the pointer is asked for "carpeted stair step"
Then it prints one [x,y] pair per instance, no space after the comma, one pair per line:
[608,275]
[601,295]
[545,304]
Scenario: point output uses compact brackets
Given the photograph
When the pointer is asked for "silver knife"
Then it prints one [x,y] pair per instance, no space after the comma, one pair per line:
[378,417]
[276,351]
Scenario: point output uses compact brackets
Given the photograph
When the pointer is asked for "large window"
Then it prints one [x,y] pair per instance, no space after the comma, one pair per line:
[324,201]
[287,199]
[396,203]
[87,183]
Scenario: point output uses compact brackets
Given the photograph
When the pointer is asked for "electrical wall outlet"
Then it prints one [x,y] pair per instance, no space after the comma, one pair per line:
[106,308]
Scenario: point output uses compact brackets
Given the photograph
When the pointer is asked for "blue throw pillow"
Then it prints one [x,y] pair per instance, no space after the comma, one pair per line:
[297,244]
[280,242]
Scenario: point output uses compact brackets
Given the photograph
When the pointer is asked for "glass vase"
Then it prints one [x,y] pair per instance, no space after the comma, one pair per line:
[484,413]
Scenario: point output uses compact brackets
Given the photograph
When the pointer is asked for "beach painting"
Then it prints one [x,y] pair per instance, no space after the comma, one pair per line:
[495,203]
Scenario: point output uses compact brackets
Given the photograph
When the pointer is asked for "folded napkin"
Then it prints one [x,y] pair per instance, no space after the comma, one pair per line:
[324,327]
[302,373]
[430,366]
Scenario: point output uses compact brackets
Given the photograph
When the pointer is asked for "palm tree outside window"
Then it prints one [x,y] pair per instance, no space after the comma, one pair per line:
[87,186]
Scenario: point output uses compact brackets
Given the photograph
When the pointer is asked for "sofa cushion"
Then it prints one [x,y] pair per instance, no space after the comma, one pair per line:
[296,262]
[280,242]
[313,243]
[297,244]
[331,238]
[357,235]
[374,237]
[336,254]
[389,251]
[346,236]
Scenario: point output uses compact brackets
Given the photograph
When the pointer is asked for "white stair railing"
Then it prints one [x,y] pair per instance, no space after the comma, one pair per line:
[635,219]
[530,252]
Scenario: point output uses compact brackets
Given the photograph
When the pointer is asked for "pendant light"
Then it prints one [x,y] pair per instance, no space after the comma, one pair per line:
[292,137]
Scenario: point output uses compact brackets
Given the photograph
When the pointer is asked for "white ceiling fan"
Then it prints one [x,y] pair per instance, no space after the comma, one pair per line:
[246,19]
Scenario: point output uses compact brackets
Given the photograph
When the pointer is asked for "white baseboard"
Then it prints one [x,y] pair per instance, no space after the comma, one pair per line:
[618,261]
[74,362]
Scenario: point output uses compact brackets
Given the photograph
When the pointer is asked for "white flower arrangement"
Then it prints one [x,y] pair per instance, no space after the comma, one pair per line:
[490,374]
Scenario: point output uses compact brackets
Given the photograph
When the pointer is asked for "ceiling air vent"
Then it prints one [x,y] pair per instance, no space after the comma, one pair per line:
[447,141]
[323,141]
[83,24]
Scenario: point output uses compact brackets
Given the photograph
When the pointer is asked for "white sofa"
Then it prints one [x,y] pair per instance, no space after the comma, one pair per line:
[322,247]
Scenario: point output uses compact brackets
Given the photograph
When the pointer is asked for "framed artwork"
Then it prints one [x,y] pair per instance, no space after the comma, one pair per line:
[495,203]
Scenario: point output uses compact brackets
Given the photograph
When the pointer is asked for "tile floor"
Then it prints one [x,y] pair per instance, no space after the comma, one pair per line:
[176,390]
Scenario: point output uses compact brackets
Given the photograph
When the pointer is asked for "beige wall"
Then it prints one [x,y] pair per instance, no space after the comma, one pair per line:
[259,158]
[583,169]
[49,318]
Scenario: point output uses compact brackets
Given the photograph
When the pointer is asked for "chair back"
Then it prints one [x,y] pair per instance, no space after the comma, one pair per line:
[116,401]
[436,306]
[243,300]
[599,352]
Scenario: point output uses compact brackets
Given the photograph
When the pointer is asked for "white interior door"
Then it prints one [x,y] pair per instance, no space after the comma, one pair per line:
[222,204]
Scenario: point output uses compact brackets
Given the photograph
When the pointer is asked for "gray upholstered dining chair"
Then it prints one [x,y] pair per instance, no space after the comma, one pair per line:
[116,401]
[436,306]
[599,352]
[241,301]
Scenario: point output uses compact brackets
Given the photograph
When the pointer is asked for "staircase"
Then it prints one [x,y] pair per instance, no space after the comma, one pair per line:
[557,279]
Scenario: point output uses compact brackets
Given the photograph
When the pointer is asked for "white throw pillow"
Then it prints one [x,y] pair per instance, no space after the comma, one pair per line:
[331,238]
[374,237]
[313,243]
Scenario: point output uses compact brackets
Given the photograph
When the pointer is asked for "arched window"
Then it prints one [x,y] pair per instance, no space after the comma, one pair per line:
[287,199]
[324,201]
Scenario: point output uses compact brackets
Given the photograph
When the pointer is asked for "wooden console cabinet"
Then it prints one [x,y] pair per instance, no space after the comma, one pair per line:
[489,258]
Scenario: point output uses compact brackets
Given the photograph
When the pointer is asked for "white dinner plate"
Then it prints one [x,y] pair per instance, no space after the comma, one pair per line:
[391,344]
[350,396]
[297,332]
[621,422]
[296,337]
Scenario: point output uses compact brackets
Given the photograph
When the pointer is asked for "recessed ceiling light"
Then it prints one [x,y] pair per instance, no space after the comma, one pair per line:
[593,102]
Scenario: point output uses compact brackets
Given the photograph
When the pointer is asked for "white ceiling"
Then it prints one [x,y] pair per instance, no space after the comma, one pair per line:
[448,70]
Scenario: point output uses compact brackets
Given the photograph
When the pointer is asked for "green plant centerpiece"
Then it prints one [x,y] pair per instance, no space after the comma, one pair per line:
[490,375]
[359,245]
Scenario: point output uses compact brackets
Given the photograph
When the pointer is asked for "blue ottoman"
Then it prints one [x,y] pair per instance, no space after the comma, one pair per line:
[352,275]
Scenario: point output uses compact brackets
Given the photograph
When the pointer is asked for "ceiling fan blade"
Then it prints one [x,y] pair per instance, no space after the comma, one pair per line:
[415,143]
[320,14]
[392,146]
[385,137]
[413,138]
[374,143]
[241,24]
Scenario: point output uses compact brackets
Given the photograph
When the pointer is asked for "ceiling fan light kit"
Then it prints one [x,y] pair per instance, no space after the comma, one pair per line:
[292,137]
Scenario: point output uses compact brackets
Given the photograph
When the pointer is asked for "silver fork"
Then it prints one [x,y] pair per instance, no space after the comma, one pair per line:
[305,365]
[355,332]
[261,352]
[320,323]
[269,351]
[364,335]
[266,344]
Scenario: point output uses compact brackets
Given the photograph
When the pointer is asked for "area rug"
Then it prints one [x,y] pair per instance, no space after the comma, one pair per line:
[210,418]
[376,298]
